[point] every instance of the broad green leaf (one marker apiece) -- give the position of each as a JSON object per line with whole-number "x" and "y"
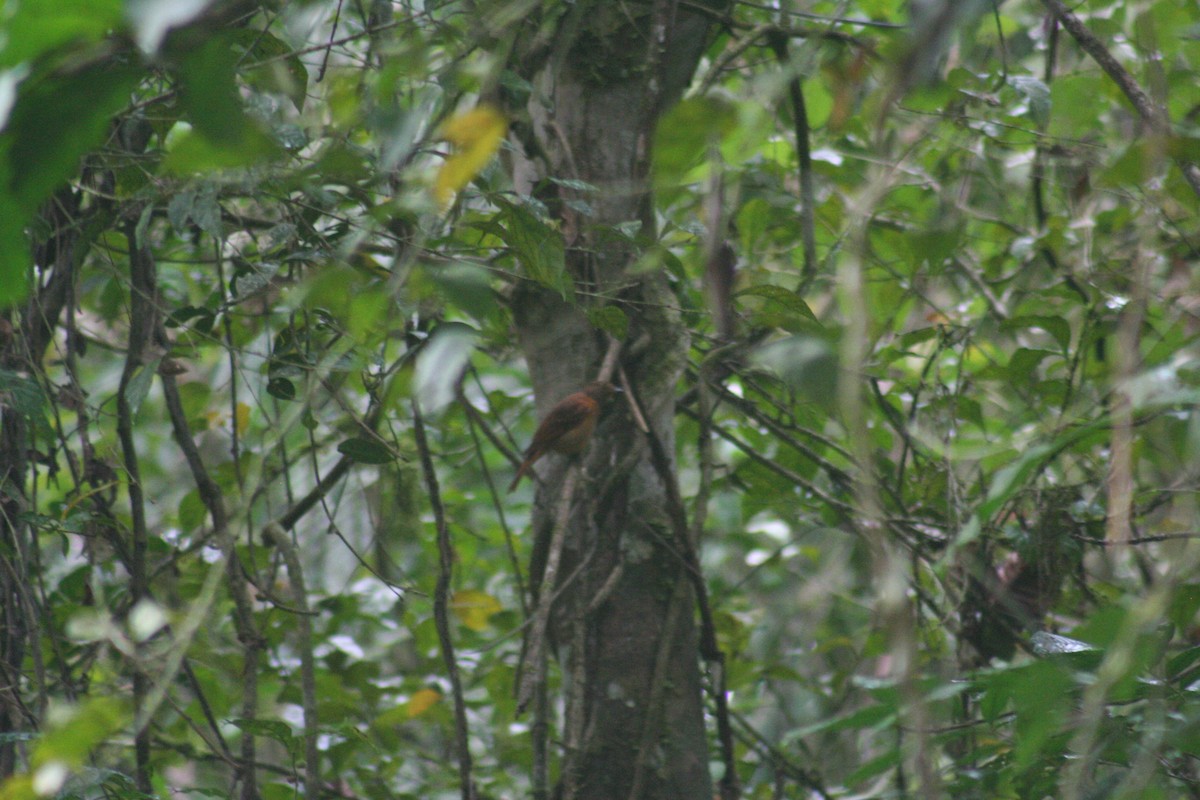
{"x": 79, "y": 731}
{"x": 277, "y": 67}
{"x": 15, "y": 261}
{"x": 1036, "y": 93}
{"x": 365, "y": 451}
{"x": 686, "y": 134}
{"x": 139, "y": 385}
{"x": 806, "y": 363}
{"x": 467, "y": 286}
{"x": 275, "y": 730}
{"x": 36, "y": 27}
{"x": 611, "y": 320}
{"x": 538, "y": 247}
{"x": 57, "y": 119}
{"x": 1057, "y": 327}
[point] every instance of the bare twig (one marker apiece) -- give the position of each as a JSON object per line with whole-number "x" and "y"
{"x": 635, "y": 410}
{"x": 779, "y": 44}
{"x": 143, "y": 310}
{"x": 248, "y": 635}
{"x": 308, "y": 680}
{"x": 441, "y": 603}
{"x": 1152, "y": 114}
{"x": 535, "y": 653}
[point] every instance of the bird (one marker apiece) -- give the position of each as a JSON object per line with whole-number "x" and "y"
{"x": 568, "y": 427}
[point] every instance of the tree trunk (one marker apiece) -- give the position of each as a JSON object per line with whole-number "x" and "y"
{"x": 623, "y": 624}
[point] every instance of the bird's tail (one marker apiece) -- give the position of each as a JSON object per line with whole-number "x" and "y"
{"x": 521, "y": 470}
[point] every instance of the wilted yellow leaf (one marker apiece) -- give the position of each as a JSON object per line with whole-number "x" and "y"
{"x": 474, "y": 608}
{"x": 476, "y": 135}
{"x": 421, "y": 701}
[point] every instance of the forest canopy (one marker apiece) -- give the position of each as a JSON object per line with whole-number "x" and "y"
{"x": 898, "y": 497}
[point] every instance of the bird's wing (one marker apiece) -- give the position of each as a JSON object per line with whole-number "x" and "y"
{"x": 563, "y": 418}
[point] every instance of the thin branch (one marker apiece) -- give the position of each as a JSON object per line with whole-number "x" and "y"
{"x": 777, "y": 758}
{"x": 441, "y": 603}
{"x": 308, "y": 679}
{"x": 330, "y": 479}
{"x": 143, "y": 308}
{"x": 864, "y": 23}
{"x": 844, "y": 508}
{"x": 536, "y": 651}
{"x": 474, "y": 424}
{"x": 1152, "y": 114}
{"x": 214, "y": 502}
{"x": 779, "y": 44}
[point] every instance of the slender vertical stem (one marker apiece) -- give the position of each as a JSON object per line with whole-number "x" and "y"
{"x": 143, "y": 307}
{"x": 441, "y": 604}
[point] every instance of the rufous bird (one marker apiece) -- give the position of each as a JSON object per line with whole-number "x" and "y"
{"x": 568, "y": 427}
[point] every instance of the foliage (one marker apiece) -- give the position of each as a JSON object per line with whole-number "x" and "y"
{"x": 947, "y": 470}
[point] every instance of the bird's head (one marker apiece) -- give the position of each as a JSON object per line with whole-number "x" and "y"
{"x": 600, "y": 391}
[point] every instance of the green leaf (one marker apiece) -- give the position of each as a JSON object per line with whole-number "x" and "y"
{"x": 281, "y": 388}
{"x": 792, "y": 301}
{"x": 611, "y": 320}
{"x": 871, "y": 717}
{"x": 139, "y": 385}
{"x": 35, "y": 27}
{"x": 1036, "y": 94}
{"x": 783, "y": 308}
{"x": 806, "y": 363}
{"x": 1057, "y": 327}
{"x": 366, "y": 451}
{"x": 222, "y": 134}
{"x": 467, "y": 286}
{"x": 21, "y": 394}
{"x": 80, "y": 730}
{"x": 192, "y": 511}
{"x": 538, "y": 248}
{"x": 209, "y": 91}
{"x": 1182, "y": 661}
{"x": 875, "y": 766}
{"x": 686, "y": 134}
{"x": 1022, "y": 367}
{"x": 280, "y": 68}
{"x": 55, "y": 121}
{"x": 16, "y": 263}
{"x": 275, "y": 730}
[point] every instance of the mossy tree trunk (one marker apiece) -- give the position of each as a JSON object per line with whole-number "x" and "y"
{"x": 623, "y": 626}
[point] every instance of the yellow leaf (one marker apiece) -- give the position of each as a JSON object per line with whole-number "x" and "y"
{"x": 476, "y": 135}
{"x": 243, "y": 418}
{"x": 422, "y": 701}
{"x": 474, "y": 608}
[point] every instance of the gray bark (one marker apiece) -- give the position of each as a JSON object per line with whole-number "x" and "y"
{"x": 624, "y": 625}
